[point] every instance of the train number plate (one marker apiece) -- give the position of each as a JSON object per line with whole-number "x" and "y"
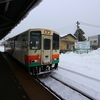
{"x": 47, "y": 60}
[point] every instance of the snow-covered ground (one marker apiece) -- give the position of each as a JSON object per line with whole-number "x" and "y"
{"x": 81, "y": 71}
{"x": 87, "y": 64}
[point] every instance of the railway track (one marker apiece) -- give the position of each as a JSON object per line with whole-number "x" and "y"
{"x": 92, "y": 83}
{"x": 81, "y": 82}
{"x": 48, "y": 88}
{"x": 80, "y": 74}
{"x": 76, "y": 90}
{"x": 80, "y": 94}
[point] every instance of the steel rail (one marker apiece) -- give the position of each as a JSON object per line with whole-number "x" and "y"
{"x": 46, "y": 87}
{"x": 73, "y": 88}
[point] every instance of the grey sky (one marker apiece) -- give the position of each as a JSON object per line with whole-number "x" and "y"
{"x": 61, "y": 16}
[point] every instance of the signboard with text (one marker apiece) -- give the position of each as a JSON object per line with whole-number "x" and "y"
{"x": 84, "y": 45}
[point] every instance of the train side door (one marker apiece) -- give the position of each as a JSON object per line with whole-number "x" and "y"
{"x": 46, "y": 49}
{"x": 24, "y": 49}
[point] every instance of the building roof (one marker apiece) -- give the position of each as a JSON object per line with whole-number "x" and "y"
{"x": 69, "y": 35}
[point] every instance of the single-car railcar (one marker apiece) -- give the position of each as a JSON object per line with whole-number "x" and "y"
{"x": 37, "y": 49}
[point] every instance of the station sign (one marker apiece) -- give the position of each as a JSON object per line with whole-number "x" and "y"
{"x": 84, "y": 45}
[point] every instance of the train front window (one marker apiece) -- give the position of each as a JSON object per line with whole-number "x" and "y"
{"x": 35, "y": 40}
{"x": 55, "y": 41}
{"x": 46, "y": 44}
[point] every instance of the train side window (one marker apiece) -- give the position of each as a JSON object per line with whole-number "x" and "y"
{"x": 24, "y": 43}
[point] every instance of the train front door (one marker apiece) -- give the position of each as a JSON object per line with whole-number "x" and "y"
{"x": 46, "y": 50}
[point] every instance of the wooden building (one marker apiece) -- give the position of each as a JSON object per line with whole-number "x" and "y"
{"x": 67, "y": 43}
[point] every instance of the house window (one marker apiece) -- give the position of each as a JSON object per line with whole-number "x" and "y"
{"x": 68, "y": 47}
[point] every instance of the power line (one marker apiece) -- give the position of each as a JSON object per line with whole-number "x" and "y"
{"x": 66, "y": 28}
{"x": 87, "y": 24}
{"x": 90, "y": 25}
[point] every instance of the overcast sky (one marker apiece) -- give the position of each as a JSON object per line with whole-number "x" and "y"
{"x": 61, "y": 16}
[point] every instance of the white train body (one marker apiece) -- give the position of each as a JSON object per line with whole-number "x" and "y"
{"x": 37, "y": 49}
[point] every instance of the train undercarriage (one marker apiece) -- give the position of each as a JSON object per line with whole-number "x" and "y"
{"x": 41, "y": 70}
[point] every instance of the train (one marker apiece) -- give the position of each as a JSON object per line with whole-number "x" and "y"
{"x": 38, "y": 49}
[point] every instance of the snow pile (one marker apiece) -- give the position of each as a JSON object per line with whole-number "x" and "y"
{"x": 88, "y": 64}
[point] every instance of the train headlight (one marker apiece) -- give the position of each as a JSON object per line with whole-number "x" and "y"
{"x": 32, "y": 61}
{"x": 47, "y": 32}
{"x": 55, "y": 58}
{"x": 35, "y": 60}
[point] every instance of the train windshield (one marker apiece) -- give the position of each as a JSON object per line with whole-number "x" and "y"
{"x": 35, "y": 40}
{"x": 46, "y": 44}
{"x": 55, "y": 41}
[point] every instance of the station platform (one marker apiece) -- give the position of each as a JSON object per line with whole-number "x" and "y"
{"x": 10, "y": 89}
{"x": 17, "y": 84}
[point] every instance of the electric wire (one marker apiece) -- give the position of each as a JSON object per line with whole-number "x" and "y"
{"x": 67, "y": 29}
{"x": 89, "y": 24}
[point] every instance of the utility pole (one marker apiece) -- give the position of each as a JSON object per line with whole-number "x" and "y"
{"x": 77, "y": 24}
{"x": 77, "y": 29}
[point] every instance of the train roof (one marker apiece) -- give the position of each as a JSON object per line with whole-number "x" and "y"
{"x": 32, "y": 29}
{"x": 43, "y": 29}
{"x": 39, "y": 29}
